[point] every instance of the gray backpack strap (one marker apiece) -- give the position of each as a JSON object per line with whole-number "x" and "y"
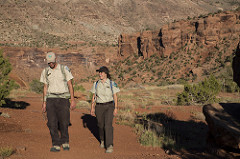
{"x": 112, "y": 89}
{"x": 46, "y": 74}
{"x": 63, "y": 72}
{"x": 96, "y": 91}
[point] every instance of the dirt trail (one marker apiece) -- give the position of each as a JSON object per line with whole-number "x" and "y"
{"x": 26, "y": 129}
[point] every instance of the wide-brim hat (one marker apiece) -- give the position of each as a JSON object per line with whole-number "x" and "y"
{"x": 51, "y": 57}
{"x": 103, "y": 69}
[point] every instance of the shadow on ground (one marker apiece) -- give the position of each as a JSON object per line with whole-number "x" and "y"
{"x": 233, "y": 109}
{"x": 90, "y": 122}
{"x": 15, "y": 104}
{"x": 189, "y": 136}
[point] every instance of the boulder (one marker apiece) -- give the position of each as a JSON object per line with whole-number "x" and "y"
{"x": 236, "y": 65}
{"x": 224, "y": 125}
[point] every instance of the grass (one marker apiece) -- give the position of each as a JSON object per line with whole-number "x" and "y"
{"x": 149, "y": 138}
{"x": 6, "y": 151}
{"x": 18, "y": 93}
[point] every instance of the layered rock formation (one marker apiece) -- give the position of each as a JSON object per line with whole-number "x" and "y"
{"x": 205, "y": 32}
{"x": 29, "y": 62}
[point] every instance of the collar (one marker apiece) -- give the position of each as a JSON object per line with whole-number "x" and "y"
{"x": 107, "y": 81}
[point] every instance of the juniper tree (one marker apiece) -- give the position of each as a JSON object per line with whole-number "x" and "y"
{"x": 6, "y": 84}
{"x": 200, "y": 94}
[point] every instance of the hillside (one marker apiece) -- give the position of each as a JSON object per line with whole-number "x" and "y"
{"x": 187, "y": 50}
{"x": 65, "y": 23}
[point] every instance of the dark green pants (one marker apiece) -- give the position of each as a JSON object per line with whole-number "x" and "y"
{"x": 58, "y": 115}
{"x": 104, "y": 114}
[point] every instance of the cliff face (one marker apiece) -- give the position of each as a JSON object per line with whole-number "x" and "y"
{"x": 186, "y": 50}
{"x": 206, "y": 32}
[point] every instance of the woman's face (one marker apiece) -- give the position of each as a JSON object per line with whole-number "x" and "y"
{"x": 102, "y": 75}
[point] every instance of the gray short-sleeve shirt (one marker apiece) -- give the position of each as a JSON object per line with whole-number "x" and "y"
{"x": 104, "y": 92}
{"x": 56, "y": 82}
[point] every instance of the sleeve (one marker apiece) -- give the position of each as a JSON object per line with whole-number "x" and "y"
{"x": 43, "y": 77}
{"x": 68, "y": 73}
{"x": 93, "y": 90}
{"x": 115, "y": 88}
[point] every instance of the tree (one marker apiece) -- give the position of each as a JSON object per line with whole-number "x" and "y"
{"x": 6, "y": 85}
{"x": 200, "y": 94}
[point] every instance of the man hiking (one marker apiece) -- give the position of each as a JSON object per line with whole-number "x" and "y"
{"x": 57, "y": 91}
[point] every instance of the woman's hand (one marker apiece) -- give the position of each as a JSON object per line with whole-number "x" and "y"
{"x": 115, "y": 111}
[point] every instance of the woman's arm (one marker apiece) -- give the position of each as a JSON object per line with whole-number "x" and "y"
{"x": 115, "y": 103}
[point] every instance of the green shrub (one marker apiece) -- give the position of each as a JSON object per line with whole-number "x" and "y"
{"x": 36, "y": 86}
{"x": 202, "y": 93}
{"x": 6, "y": 85}
{"x": 79, "y": 88}
{"x": 230, "y": 86}
{"x": 6, "y": 152}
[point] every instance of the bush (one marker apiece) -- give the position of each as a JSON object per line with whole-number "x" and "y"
{"x": 6, "y": 152}
{"x": 202, "y": 93}
{"x": 79, "y": 88}
{"x": 36, "y": 86}
{"x": 6, "y": 85}
{"x": 230, "y": 86}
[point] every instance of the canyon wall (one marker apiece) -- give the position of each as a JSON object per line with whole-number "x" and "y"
{"x": 204, "y": 32}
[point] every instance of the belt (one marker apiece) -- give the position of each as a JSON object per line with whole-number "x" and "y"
{"x": 105, "y": 103}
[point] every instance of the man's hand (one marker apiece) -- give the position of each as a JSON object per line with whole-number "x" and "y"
{"x": 44, "y": 107}
{"x": 92, "y": 112}
{"x": 73, "y": 104}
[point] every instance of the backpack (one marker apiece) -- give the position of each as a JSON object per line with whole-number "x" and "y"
{"x": 62, "y": 70}
{"x": 96, "y": 89}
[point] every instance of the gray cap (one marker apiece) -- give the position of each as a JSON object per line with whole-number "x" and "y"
{"x": 51, "y": 57}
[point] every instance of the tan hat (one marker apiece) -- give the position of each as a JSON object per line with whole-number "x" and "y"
{"x": 51, "y": 57}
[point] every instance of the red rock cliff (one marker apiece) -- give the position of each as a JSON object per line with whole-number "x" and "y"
{"x": 205, "y": 32}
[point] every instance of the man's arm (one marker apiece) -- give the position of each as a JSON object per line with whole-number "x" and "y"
{"x": 44, "y": 98}
{"x": 92, "y": 112}
{"x": 71, "y": 90}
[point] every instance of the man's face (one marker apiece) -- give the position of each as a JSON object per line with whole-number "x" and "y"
{"x": 52, "y": 65}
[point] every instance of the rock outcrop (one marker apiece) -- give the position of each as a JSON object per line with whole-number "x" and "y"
{"x": 236, "y": 66}
{"x": 224, "y": 125}
{"x": 205, "y": 32}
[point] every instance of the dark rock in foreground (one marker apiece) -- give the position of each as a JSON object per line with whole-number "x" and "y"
{"x": 224, "y": 125}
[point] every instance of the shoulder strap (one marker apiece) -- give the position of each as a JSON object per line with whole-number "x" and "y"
{"x": 63, "y": 72}
{"x": 46, "y": 74}
{"x": 111, "y": 86}
{"x": 112, "y": 89}
{"x": 96, "y": 86}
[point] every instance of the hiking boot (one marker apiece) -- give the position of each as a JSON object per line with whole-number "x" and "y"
{"x": 66, "y": 147}
{"x": 109, "y": 149}
{"x": 55, "y": 149}
{"x": 102, "y": 144}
